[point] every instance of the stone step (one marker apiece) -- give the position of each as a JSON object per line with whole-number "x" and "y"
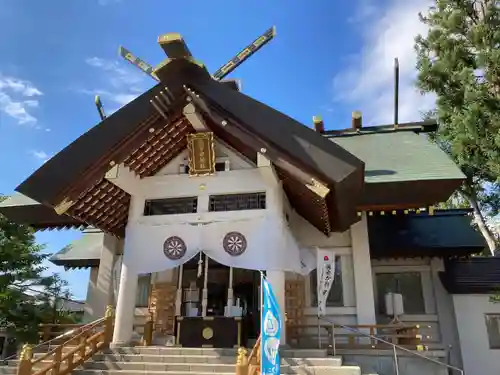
{"x": 197, "y": 361}
{"x": 174, "y": 350}
{"x": 125, "y": 362}
{"x": 192, "y": 367}
{"x": 202, "y": 370}
{"x": 299, "y": 370}
{"x": 163, "y": 350}
{"x": 213, "y": 359}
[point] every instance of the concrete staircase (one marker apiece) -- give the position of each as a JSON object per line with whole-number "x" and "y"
{"x": 188, "y": 361}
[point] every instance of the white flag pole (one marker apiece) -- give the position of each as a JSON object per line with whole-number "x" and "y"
{"x": 318, "y": 283}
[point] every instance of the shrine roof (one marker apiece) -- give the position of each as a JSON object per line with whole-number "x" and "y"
{"x": 145, "y": 140}
{"x": 444, "y": 233}
{"x": 476, "y": 275}
{"x": 81, "y": 253}
{"x": 400, "y": 156}
{"x": 24, "y": 210}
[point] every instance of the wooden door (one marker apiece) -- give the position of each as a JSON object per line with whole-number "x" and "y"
{"x": 162, "y": 307}
{"x": 294, "y": 308}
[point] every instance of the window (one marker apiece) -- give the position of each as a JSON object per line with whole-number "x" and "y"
{"x": 219, "y": 167}
{"x": 336, "y": 296}
{"x": 143, "y": 287}
{"x": 409, "y": 284}
{"x": 237, "y": 202}
{"x": 170, "y": 206}
{"x": 493, "y": 329}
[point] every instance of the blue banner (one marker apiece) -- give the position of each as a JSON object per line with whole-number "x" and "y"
{"x": 270, "y": 331}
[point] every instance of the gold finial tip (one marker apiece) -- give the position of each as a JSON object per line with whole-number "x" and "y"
{"x": 26, "y": 352}
{"x": 242, "y": 354}
{"x": 317, "y": 119}
{"x": 356, "y": 114}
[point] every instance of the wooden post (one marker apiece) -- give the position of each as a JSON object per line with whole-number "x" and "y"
{"x": 242, "y": 362}
{"x": 147, "y": 337}
{"x": 83, "y": 346}
{"x": 178, "y": 296}
{"x": 46, "y": 332}
{"x": 24, "y": 366}
{"x": 108, "y": 325}
{"x": 204, "y": 300}
{"x": 230, "y": 297}
{"x": 56, "y": 360}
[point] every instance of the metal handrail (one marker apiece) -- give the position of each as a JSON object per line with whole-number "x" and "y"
{"x": 13, "y": 356}
{"x": 394, "y": 346}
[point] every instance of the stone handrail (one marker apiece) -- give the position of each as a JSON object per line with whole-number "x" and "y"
{"x": 64, "y": 358}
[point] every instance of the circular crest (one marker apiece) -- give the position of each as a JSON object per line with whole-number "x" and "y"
{"x": 234, "y": 243}
{"x": 207, "y": 333}
{"x": 174, "y": 248}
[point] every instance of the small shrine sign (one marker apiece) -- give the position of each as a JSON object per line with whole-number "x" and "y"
{"x": 201, "y": 153}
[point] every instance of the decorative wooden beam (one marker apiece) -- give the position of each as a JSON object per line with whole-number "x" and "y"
{"x": 174, "y": 45}
{"x": 267, "y": 170}
{"x": 63, "y": 206}
{"x": 315, "y": 185}
{"x": 124, "y": 178}
{"x": 194, "y": 117}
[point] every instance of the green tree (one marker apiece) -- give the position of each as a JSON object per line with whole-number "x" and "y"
{"x": 458, "y": 62}
{"x": 27, "y": 296}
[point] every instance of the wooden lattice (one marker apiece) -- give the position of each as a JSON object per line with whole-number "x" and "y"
{"x": 294, "y": 307}
{"x": 162, "y": 307}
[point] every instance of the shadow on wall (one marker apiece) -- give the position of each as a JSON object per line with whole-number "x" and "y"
{"x": 378, "y": 172}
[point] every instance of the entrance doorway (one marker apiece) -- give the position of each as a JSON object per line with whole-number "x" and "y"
{"x": 246, "y": 295}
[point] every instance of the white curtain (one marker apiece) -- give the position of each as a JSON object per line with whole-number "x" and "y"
{"x": 269, "y": 245}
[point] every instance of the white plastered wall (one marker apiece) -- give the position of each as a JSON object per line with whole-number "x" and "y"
{"x": 100, "y": 287}
{"x": 240, "y": 177}
{"x": 352, "y": 247}
{"x": 470, "y": 310}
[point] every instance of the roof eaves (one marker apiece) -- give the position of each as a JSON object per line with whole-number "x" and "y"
{"x": 417, "y": 127}
{"x": 91, "y": 153}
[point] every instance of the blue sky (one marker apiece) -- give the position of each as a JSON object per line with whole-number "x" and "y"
{"x": 328, "y": 58}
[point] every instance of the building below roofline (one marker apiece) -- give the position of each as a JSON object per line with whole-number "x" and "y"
{"x": 194, "y": 188}
{"x": 451, "y": 297}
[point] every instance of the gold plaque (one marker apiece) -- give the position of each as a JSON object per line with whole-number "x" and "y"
{"x": 207, "y": 333}
{"x": 201, "y": 154}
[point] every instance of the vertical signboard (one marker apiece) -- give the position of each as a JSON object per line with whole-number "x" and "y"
{"x": 201, "y": 154}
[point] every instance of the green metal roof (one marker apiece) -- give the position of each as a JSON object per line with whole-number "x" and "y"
{"x": 400, "y": 156}
{"x": 83, "y": 252}
{"x": 24, "y": 210}
{"x": 18, "y": 199}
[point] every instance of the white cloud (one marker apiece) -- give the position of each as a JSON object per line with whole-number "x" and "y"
{"x": 123, "y": 83}
{"x": 13, "y": 102}
{"x": 40, "y": 155}
{"x": 367, "y": 84}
